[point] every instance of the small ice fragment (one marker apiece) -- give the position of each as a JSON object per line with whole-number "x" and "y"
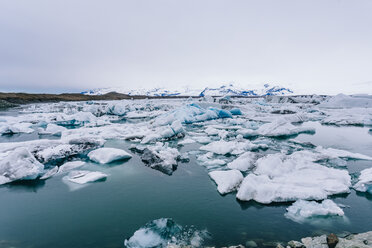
{"x": 107, "y": 155}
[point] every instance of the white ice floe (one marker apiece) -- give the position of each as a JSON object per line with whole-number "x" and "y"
{"x": 364, "y": 183}
{"x": 186, "y": 141}
{"x": 53, "y": 129}
{"x": 280, "y": 178}
{"x": 227, "y": 181}
{"x": 336, "y": 153}
{"x": 282, "y": 127}
{"x": 301, "y": 210}
{"x": 236, "y": 147}
{"x": 83, "y": 176}
{"x": 107, "y": 155}
{"x": 49, "y": 173}
{"x": 244, "y": 162}
{"x": 19, "y": 164}
{"x": 13, "y": 128}
{"x": 70, "y": 166}
{"x": 219, "y": 147}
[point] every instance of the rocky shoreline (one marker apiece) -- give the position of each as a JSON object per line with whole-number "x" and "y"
{"x": 361, "y": 240}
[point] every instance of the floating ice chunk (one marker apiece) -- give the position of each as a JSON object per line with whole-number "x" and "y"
{"x": 227, "y": 181}
{"x": 336, "y": 153}
{"x": 70, "y": 166}
{"x": 53, "y": 129}
{"x": 161, "y": 157}
{"x": 244, "y": 162}
{"x": 186, "y": 141}
{"x": 152, "y": 138}
{"x": 219, "y": 147}
{"x": 302, "y": 210}
{"x": 202, "y": 139}
{"x": 364, "y": 183}
{"x": 282, "y": 128}
{"x": 50, "y": 173}
{"x": 164, "y": 233}
{"x": 13, "y": 128}
{"x": 280, "y": 178}
{"x": 107, "y": 155}
{"x": 61, "y": 152}
{"x": 83, "y": 177}
{"x": 235, "y": 111}
{"x": 19, "y": 164}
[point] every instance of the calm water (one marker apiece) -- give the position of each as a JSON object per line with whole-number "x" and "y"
{"x": 52, "y": 214}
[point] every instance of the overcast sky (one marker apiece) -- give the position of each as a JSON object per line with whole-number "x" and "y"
{"x": 322, "y": 46}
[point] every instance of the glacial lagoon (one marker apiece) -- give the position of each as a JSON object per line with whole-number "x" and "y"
{"x": 58, "y": 213}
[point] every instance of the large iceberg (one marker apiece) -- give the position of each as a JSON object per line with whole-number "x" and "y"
{"x": 19, "y": 164}
{"x": 280, "y": 178}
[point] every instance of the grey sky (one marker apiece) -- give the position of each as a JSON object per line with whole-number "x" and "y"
{"x": 322, "y": 46}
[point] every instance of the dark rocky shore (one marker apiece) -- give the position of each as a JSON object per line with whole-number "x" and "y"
{"x": 8, "y": 100}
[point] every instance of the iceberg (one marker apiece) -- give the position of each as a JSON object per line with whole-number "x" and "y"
{"x": 364, "y": 183}
{"x": 19, "y": 164}
{"x": 70, "y": 166}
{"x": 244, "y": 162}
{"x": 302, "y": 210}
{"x": 83, "y": 176}
{"x": 161, "y": 157}
{"x": 164, "y": 232}
{"x": 281, "y": 178}
{"x": 227, "y": 181}
{"x": 107, "y": 155}
{"x": 53, "y": 129}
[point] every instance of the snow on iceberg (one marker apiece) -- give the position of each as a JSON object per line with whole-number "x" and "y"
{"x": 107, "y": 155}
{"x": 53, "y": 129}
{"x": 227, "y": 181}
{"x": 164, "y": 233}
{"x": 281, "y": 178}
{"x": 281, "y": 127}
{"x": 302, "y": 210}
{"x": 364, "y": 183}
{"x": 244, "y": 162}
{"x": 19, "y": 164}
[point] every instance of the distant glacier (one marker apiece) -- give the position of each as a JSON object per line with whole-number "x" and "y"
{"x": 223, "y": 90}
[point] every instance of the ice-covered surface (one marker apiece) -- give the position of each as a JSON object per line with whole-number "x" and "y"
{"x": 302, "y": 210}
{"x": 163, "y": 233}
{"x": 279, "y": 178}
{"x": 19, "y": 164}
{"x": 107, "y": 155}
{"x": 83, "y": 176}
{"x": 227, "y": 181}
{"x": 364, "y": 183}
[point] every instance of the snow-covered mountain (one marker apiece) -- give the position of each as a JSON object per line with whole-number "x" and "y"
{"x": 223, "y": 90}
